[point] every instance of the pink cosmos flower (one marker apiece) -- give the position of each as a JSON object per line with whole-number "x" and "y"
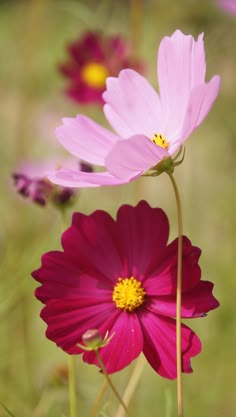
{"x": 120, "y": 276}
{"x": 30, "y": 180}
{"x": 150, "y": 127}
{"x": 94, "y": 57}
{"x": 229, "y": 6}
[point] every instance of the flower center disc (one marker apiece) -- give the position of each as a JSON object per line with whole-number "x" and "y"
{"x": 128, "y": 294}
{"x": 160, "y": 140}
{"x": 94, "y": 74}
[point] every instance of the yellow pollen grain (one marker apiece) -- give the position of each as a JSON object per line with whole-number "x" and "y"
{"x": 128, "y": 294}
{"x": 94, "y": 74}
{"x": 160, "y": 140}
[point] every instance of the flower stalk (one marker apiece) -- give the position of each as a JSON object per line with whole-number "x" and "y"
{"x": 113, "y": 388}
{"x": 72, "y": 385}
{"x": 178, "y": 298}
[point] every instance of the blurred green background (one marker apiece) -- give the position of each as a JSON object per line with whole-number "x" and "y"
{"x": 33, "y": 35}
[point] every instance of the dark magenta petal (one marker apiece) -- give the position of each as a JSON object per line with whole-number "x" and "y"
{"x": 143, "y": 235}
{"x": 162, "y": 275}
{"x": 159, "y": 335}
{"x": 195, "y": 303}
{"x": 88, "y": 242}
{"x": 64, "y": 280}
{"x": 68, "y": 320}
{"x": 125, "y": 345}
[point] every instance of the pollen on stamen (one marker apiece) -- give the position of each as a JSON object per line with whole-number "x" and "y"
{"x": 160, "y": 140}
{"x": 128, "y": 294}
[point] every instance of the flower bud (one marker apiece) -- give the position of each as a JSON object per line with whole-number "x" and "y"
{"x": 92, "y": 339}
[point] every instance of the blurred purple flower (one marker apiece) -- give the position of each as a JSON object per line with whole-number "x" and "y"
{"x": 92, "y": 58}
{"x": 229, "y": 6}
{"x": 31, "y": 182}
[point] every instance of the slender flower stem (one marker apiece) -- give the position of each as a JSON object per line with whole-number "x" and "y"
{"x": 34, "y": 19}
{"x": 102, "y": 366}
{"x": 178, "y": 299}
{"x": 136, "y": 24}
{"x": 132, "y": 384}
{"x": 98, "y": 399}
{"x": 72, "y": 384}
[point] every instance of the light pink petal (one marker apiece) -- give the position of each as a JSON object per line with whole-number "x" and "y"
{"x": 132, "y": 157}
{"x": 161, "y": 277}
{"x": 79, "y": 179}
{"x": 124, "y": 347}
{"x": 159, "y": 346}
{"x": 86, "y": 139}
{"x": 200, "y": 103}
{"x": 132, "y": 105}
{"x": 92, "y": 243}
{"x": 62, "y": 277}
{"x": 143, "y": 233}
{"x": 181, "y": 67}
{"x": 68, "y": 320}
{"x": 195, "y": 303}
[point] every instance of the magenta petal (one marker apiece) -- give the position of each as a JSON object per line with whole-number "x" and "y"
{"x": 159, "y": 344}
{"x": 68, "y": 320}
{"x": 86, "y": 139}
{"x": 61, "y": 278}
{"x": 79, "y": 179}
{"x": 92, "y": 244}
{"x": 143, "y": 234}
{"x": 132, "y": 157}
{"x": 162, "y": 277}
{"x": 200, "y": 103}
{"x": 124, "y": 347}
{"x": 133, "y": 106}
{"x": 195, "y": 303}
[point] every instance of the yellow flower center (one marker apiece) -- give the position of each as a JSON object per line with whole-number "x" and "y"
{"x": 160, "y": 140}
{"x": 94, "y": 74}
{"x": 128, "y": 294}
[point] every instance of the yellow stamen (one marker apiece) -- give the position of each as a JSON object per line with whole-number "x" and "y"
{"x": 94, "y": 74}
{"x": 128, "y": 294}
{"x": 160, "y": 140}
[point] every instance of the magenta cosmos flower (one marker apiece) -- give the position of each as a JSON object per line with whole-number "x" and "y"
{"x": 150, "y": 127}
{"x": 229, "y": 6}
{"x": 94, "y": 57}
{"x": 120, "y": 276}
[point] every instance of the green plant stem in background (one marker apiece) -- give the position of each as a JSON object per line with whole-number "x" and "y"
{"x": 31, "y": 33}
{"x": 102, "y": 366}
{"x": 132, "y": 384}
{"x": 136, "y": 24}
{"x": 98, "y": 400}
{"x": 178, "y": 298}
{"x": 72, "y": 384}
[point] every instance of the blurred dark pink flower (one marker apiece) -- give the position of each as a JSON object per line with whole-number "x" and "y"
{"x": 120, "y": 276}
{"x": 31, "y": 182}
{"x": 92, "y": 58}
{"x": 229, "y": 6}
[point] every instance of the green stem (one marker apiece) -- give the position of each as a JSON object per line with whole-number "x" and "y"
{"x": 132, "y": 384}
{"x": 102, "y": 366}
{"x": 72, "y": 385}
{"x": 178, "y": 299}
{"x": 136, "y": 24}
{"x": 98, "y": 399}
